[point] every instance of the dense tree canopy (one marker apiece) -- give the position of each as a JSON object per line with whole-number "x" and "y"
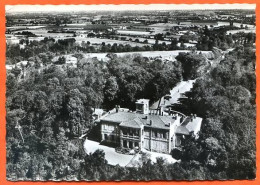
{"x": 49, "y": 106}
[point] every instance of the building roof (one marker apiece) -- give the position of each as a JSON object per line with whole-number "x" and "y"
{"x": 97, "y": 111}
{"x": 182, "y": 130}
{"x": 189, "y": 125}
{"x": 135, "y": 120}
{"x": 142, "y": 101}
{"x": 194, "y": 125}
{"x": 135, "y": 123}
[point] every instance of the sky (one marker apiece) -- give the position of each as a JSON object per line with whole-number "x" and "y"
{"x": 129, "y": 7}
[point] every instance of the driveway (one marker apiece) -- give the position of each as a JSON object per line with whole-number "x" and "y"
{"x": 111, "y": 155}
{"x": 175, "y": 93}
{"x": 115, "y": 158}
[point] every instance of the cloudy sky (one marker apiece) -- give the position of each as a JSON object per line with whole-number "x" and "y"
{"x": 61, "y": 8}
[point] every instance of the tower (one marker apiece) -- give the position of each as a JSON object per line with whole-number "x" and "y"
{"x": 142, "y": 106}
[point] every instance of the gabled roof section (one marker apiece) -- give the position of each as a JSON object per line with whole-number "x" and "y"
{"x": 119, "y": 117}
{"x": 135, "y": 123}
{"x": 131, "y": 119}
{"x": 189, "y": 125}
{"x": 182, "y": 130}
{"x": 142, "y": 101}
{"x": 194, "y": 125}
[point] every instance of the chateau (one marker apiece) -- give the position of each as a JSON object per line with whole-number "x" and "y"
{"x": 147, "y": 129}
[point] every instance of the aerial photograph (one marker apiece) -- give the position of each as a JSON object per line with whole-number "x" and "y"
{"x": 130, "y": 92}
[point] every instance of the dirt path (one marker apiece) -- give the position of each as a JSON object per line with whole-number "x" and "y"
{"x": 185, "y": 86}
{"x": 111, "y": 155}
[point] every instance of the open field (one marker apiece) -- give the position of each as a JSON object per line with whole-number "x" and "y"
{"x": 129, "y": 32}
{"x": 107, "y": 41}
{"x": 161, "y": 27}
{"x": 170, "y": 55}
{"x": 44, "y": 33}
{"x": 24, "y": 27}
{"x": 41, "y": 33}
{"x": 241, "y": 30}
{"x": 220, "y": 23}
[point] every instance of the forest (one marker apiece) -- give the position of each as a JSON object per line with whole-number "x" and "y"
{"x": 49, "y": 109}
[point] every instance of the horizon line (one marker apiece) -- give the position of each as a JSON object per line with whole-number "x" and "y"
{"x": 125, "y": 7}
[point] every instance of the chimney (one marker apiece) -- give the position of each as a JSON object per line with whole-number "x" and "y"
{"x": 181, "y": 119}
{"x": 161, "y": 111}
{"x": 117, "y": 108}
{"x": 167, "y": 124}
{"x": 145, "y": 117}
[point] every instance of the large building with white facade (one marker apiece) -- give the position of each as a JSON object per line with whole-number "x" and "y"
{"x": 146, "y": 129}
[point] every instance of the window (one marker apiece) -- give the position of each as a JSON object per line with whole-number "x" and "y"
{"x": 164, "y": 135}
{"x": 130, "y": 144}
{"x": 106, "y": 137}
{"x": 178, "y": 141}
{"x": 125, "y": 144}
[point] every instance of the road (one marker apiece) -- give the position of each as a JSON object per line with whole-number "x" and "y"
{"x": 185, "y": 86}
{"x": 175, "y": 94}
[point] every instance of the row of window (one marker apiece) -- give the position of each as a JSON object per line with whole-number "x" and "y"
{"x": 135, "y": 132}
{"x": 130, "y": 144}
{"x": 131, "y": 132}
{"x": 110, "y": 137}
{"x": 156, "y": 134}
{"x": 108, "y": 127}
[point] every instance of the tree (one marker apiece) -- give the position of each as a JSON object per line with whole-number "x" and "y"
{"x": 110, "y": 90}
{"x": 61, "y": 60}
{"x": 191, "y": 63}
